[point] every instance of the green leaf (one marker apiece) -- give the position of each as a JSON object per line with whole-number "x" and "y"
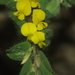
{"x": 72, "y": 1}
{"x": 48, "y": 33}
{"x": 43, "y": 71}
{"x": 48, "y": 16}
{"x": 43, "y": 3}
{"x": 56, "y": 11}
{"x": 11, "y": 4}
{"x": 18, "y": 51}
{"x": 30, "y": 73}
{"x": 11, "y": 15}
{"x": 26, "y": 68}
{"x": 53, "y": 7}
{"x": 45, "y": 63}
{"x": 47, "y": 43}
{"x": 20, "y": 23}
{"x": 15, "y": 19}
{"x": 65, "y": 3}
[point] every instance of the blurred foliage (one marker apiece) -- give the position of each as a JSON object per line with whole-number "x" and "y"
{"x": 9, "y": 3}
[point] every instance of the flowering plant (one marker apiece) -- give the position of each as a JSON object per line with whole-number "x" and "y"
{"x": 32, "y": 19}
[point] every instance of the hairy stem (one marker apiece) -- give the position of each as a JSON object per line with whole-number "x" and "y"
{"x": 35, "y": 53}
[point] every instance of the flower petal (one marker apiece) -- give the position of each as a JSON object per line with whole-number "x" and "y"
{"x": 38, "y": 37}
{"x": 38, "y": 16}
{"x": 35, "y": 39}
{"x": 21, "y": 4}
{"x": 28, "y": 29}
{"x": 16, "y": 13}
{"x": 39, "y": 6}
{"x": 41, "y": 44}
{"x": 24, "y": 7}
{"x": 34, "y": 3}
{"x": 21, "y": 17}
{"x": 27, "y": 8}
{"x": 42, "y": 25}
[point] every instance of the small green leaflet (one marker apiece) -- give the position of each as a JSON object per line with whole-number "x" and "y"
{"x": 30, "y": 73}
{"x": 11, "y": 4}
{"x": 66, "y": 3}
{"x": 45, "y": 64}
{"x": 72, "y": 1}
{"x": 43, "y": 71}
{"x": 47, "y": 43}
{"x": 26, "y": 68}
{"x": 18, "y": 51}
{"x": 43, "y": 3}
{"x": 53, "y": 7}
{"x": 48, "y": 33}
{"x": 17, "y": 21}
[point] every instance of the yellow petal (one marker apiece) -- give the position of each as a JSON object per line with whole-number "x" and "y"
{"x": 39, "y": 26}
{"x": 29, "y": 37}
{"x": 35, "y": 39}
{"x": 41, "y": 44}
{"x": 42, "y": 25}
{"x": 28, "y": 29}
{"x": 39, "y": 6}
{"x": 38, "y": 37}
{"x": 34, "y": 3}
{"x": 24, "y": 7}
{"x": 27, "y": 9}
{"x": 21, "y": 4}
{"x": 16, "y": 13}
{"x": 21, "y": 17}
{"x": 38, "y": 16}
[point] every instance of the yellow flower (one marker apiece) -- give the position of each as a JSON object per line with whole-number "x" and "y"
{"x": 38, "y": 38}
{"x": 28, "y": 29}
{"x": 41, "y": 44}
{"x": 41, "y": 25}
{"x": 24, "y": 8}
{"x": 35, "y": 3}
{"x": 20, "y": 15}
{"x": 38, "y": 16}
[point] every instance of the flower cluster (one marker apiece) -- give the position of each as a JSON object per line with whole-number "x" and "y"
{"x": 32, "y": 30}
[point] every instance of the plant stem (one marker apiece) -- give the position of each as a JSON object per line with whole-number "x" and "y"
{"x": 34, "y": 52}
